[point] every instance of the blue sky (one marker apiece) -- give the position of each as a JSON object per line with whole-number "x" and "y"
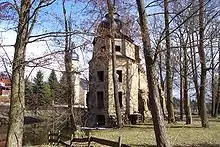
{"x": 51, "y": 19}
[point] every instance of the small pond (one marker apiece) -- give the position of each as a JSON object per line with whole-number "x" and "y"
{"x": 34, "y": 133}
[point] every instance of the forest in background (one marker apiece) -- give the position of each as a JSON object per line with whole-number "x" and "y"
{"x": 179, "y": 40}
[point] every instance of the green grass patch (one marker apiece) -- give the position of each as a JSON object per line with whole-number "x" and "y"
{"x": 180, "y": 135}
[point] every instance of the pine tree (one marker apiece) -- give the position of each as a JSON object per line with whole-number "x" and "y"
{"x": 39, "y": 89}
{"x": 28, "y": 93}
{"x": 53, "y": 84}
{"x": 61, "y": 91}
{"x": 47, "y": 100}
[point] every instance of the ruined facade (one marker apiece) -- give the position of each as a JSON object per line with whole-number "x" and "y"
{"x": 132, "y": 83}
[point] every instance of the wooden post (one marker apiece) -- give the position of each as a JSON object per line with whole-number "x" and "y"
{"x": 119, "y": 141}
{"x": 71, "y": 141}
{"x": 89, "y": 138}
{"x": 49, "y": 138}
{"x": 58, "y": 138}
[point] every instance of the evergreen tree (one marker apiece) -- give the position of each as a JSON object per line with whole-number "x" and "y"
{"x": 62, "y": 91}
{"x": 47, "y": 95}
{"x": 28, "y": 93}
{"x": 53, "y": 84}
{"x": 39, "y": 89}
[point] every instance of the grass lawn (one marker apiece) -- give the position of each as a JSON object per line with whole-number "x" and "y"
{"x": 180, "y": 135}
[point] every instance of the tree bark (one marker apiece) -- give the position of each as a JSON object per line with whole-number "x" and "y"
{"x": 114, "y": 76}
{"x": 213, "y": 78}
{"x": 187, "y": 107}
{"x": 17, "y": 106}
{"x": 160, "y": 68}
{"x": 218, "y": 93}
{"x": 68, "y": 68}
{"x": 204, "y": 119}
{"x": 170, "y": 103}
{"x": 194, "y": 71}
{"x": 161, "y": 87}
{"x": 154, "y": 98}
{"x": 162, "y": 100}
{"x": 181, "y": 86}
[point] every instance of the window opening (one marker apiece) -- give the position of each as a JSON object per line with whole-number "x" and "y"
{"x": 100, "y": 120}
{"x": 120, "y": 99}
{"x": 117, "y": 48}
{"x": 100, "y": 76}
{"x": 119, "y": 72}
{"x": 103, "y": 48}
{"x": 100, "y": 100}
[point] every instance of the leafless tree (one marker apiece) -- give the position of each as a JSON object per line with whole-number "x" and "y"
{"x": 203, "y": 113}
{"x": 25, "y": 26}
{"x": 169, "y": 83}
{"x": 111, "y": 7}
{"x": 154, "y": 99}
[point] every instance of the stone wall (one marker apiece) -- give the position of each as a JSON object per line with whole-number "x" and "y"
{"x": 143, "y": 86}
{"x": 127, "y": 61}
{"x": 128, "y": 86}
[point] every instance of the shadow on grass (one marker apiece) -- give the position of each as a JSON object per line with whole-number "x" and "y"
{"x": 193, "y": 145}
{"x": 144, "y": 124}
{"x": 199, "y": 145}
{"x": 181, "y": 126}
{"x": 150, "y": 126}
{"x": 214, "y": 120}
{"x": 140, "y": 126}
{"x": 142, "y": 145}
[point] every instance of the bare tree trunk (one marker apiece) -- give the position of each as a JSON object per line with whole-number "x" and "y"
{"x": 114, "y": 76}
{"x": 213, "y": 78}
{"x": 170, "y": 103}
{"x": 17, "y": 106}
{"x": 218, "y": 102}
{"x": 204, "y": 119}
{"x": 162, "y": 100}
{"x": 218, "y": 93}
{"x": 161, "y": 87}
{"x": 154, "y": 98}
{"x": 181, "y": 86}
{"x": 161, "y": 73}
{"x": 187, "y": 107}
{"x": 68, "y": 67}
{"x": 194, "y": 70}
